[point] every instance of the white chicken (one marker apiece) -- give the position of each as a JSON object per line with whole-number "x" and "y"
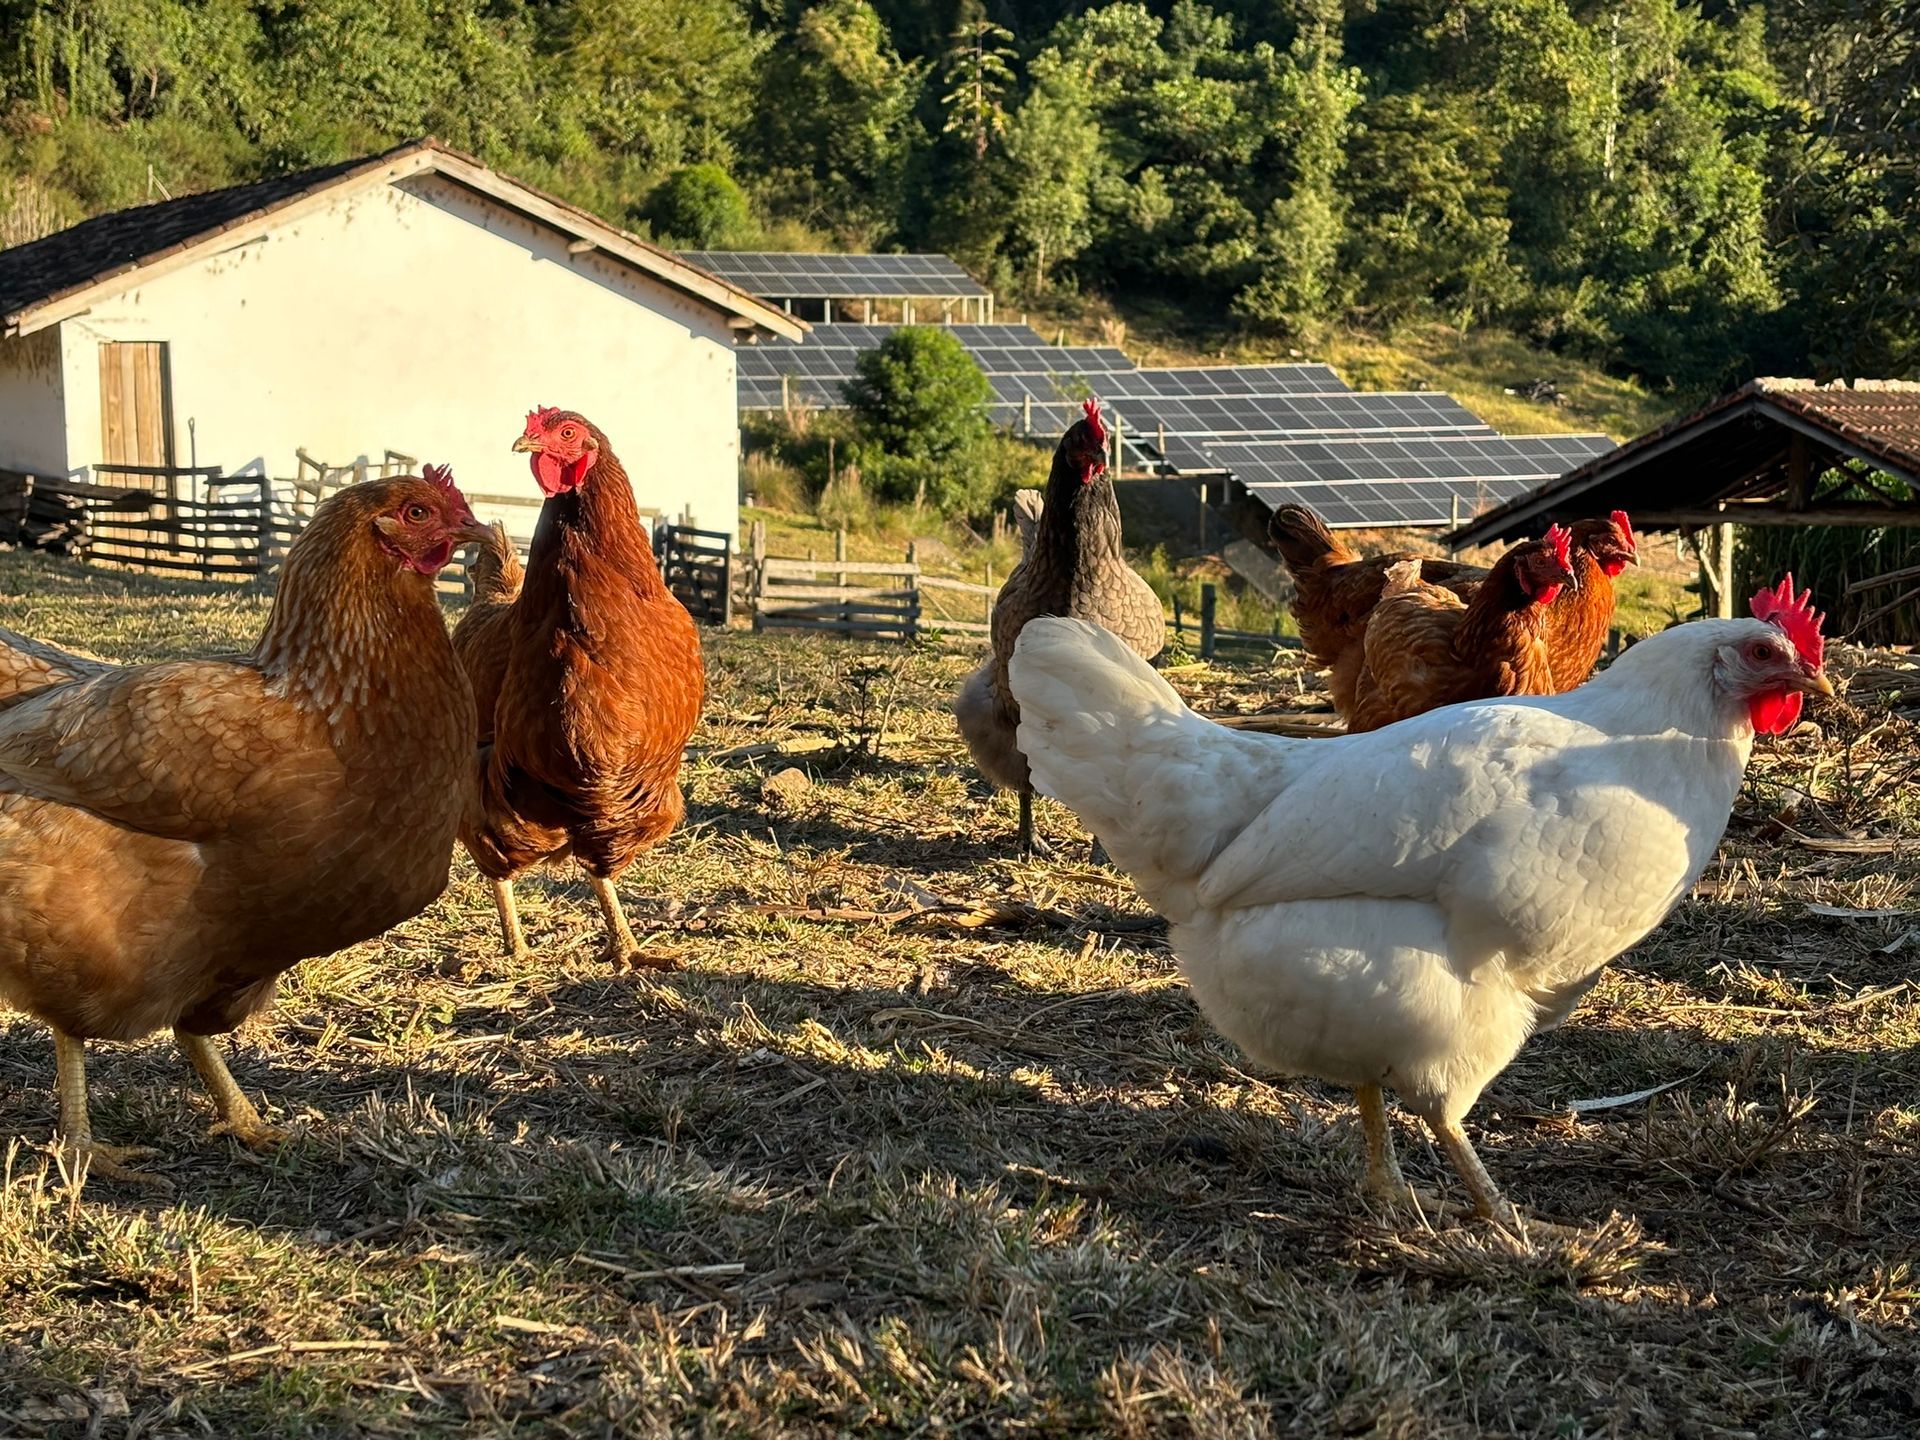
{"x": 1403, "y": 908}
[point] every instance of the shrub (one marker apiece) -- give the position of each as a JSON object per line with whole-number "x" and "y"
{"x": 920, "y": 401}
{"x": 701, "y": 207}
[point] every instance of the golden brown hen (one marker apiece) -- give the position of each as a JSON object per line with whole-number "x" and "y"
{"x": 1425, "y": 647}
{"x": 1336, "y": 589}
{"x": 588, "y": 680}
{"x": 175, "y": 836}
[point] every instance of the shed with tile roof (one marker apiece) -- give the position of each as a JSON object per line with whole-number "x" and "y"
{"x": 1752, "y": 457}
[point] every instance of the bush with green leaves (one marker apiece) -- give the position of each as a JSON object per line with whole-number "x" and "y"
{"x": 920, "y": 401}
{"x": 700, "y": 207}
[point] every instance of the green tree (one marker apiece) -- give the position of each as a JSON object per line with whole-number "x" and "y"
{"x": 1052, "y": 157}
{"x": 701, "y": 208}
{"x": 1299, "y": 279}
{"x": 838, "y": 140}
{"x": 920, "y": 401}
{"x": 667, "y": 81}
{"x": 978, "y": 74}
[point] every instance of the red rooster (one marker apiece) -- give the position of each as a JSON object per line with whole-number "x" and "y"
{"x": 588, "y": 678}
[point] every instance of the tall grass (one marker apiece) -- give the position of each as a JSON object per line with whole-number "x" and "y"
{"x": 1829, "y": 559}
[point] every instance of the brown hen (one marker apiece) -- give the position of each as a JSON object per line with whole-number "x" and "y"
{"x": 587, "y": 680}
{"x": 173, "y": 837}
{"x": 1073, "y": 566}
{"x": 1425, "y": 647}
{"x": 1336, "y": 589}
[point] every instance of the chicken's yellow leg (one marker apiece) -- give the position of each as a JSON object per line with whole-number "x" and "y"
{"x": 1488, "y": 1202}
{"x": 622, "y": 948}
{"x": 82, "y": 1153}
{"x": 238, "y": 1118}
{"x": 1385, "y": 1182}
{"x": 511, "y": 935}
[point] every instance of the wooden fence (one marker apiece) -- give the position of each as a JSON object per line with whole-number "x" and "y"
{"x": 1216, "y": 643}
{"x": 862, "y": 599}
{"x": 697, "y": 566}
{"x": 190, "y": 522}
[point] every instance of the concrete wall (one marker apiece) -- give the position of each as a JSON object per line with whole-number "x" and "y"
{"x": 33, "y": 434}
{"x": 425, "y": 318}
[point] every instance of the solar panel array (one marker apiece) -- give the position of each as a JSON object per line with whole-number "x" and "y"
{"x": 1287, "y": 432}
{"x": 780, "y": 276}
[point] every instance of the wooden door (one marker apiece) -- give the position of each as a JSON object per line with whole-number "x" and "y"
{"x": 136, "y": 423}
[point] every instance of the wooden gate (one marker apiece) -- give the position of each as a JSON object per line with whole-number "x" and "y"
{"x": 698, "y": 568}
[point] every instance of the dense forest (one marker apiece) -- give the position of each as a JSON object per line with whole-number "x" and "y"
{"x": 1688, "y": 191}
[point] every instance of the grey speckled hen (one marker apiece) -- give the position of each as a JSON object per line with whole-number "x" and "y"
{"x": 1071, "y": 565}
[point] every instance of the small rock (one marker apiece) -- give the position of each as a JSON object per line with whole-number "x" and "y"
{"x": 785, "y": 789}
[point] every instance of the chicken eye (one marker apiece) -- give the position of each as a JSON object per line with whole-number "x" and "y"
{"x": 417, "y": 514}
{"x": 567, "y": 432}
{"x": 1760, "y": 650}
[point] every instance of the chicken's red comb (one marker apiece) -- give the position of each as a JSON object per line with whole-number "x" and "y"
{"x": 441, "y": 476}
{"x": 1092, "y": 407}
{"x": 539, "y": 417}
{"x": 1795, "y": 615}
{"x": 1625, "y": 527}
{"x": 1560, "y": 538}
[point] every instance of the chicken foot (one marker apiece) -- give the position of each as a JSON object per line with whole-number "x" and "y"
{"x": 238, "y": 1118}
{"x": 83, "y": 1154}
{"x": 621, "y": 948}
{"x": 511, "y": 935}
{"x": 1488, "y": 1202}
{"x": 1032, "y": 845}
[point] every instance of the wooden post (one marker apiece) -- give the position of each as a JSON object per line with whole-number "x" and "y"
{"x": 1723, "y": 543}
{"x": 866, "y": 312}
{"x": 786, "y": 396}
{"x": 1026, "y": 414}
{"x": 1119, "y": 449}
{"x": 826, "y": 312}
{"x": 840, "y": 553}
{"x": 1200, "y": 508}
{"x": 1208, "y": 599}
{"x": 991, "y": 597}
{"x": 1178, "y": 631}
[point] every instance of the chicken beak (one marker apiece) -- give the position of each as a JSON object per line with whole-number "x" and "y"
{"x": 1815, "y": 682}
{"x": 527, "y": 445}
{"x": 473, "y": 532}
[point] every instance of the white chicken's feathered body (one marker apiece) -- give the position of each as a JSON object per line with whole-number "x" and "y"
{"x": 1402, "y": 907}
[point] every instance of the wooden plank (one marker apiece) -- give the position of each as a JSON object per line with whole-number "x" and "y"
{"x": 855, "y": 629}
{"x": 770, "y": 596}
{"x": 147, "y": 405}
{"x": 112, "y": 426}
{"x": 784, "y": 566}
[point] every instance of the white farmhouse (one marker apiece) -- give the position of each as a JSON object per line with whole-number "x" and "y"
{"x": 416, "y": 302}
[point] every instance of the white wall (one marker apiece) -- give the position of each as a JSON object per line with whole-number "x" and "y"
{"x": 424, "y": 318}
{"x": 33, "y": 433}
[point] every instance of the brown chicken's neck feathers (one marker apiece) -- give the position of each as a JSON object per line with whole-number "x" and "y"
{"x": 1501, "y": 609}
{"x": 598, "y": 518}
{"x": 351, "y": 628}
{"x": 1078, "y": 536}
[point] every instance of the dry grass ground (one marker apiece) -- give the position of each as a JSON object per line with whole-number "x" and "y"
{"x": 861, "y": 1164}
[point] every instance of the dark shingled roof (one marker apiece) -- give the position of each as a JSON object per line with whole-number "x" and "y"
{"x": 1737, "y": 452}
{"x": 94, "y": 249}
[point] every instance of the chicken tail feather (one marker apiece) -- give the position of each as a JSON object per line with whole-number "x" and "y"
{"x": 496, "y": 571}
{"x": 1303, "y": 540}
{"x": 1164, "y": 790}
